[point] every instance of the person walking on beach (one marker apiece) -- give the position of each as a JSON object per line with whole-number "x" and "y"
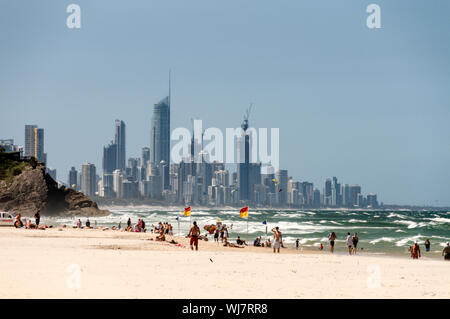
{"x": 332, "y": 238}
{"x": 297, "y": 243}
{"x": 427, "y": 245}
{"x": 277, "y": 237}
{"x": 355, "y": 240}
{"x": 37, "y": 217}
{"x": 216, "y": 235}
{"x": 194, "y": 232}
{"x": 349, "y": 242}
{"x": 446, "y": 252}
{"x": 415, "y": 251}
{"x": 225, "y": 233}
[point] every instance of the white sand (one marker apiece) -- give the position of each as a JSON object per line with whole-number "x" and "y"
{"x": 45, "y": 264}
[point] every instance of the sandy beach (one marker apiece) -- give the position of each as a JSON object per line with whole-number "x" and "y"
{"x": 76, "y": 263}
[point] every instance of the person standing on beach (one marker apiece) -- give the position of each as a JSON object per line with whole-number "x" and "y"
{"x": 427, "y": 245}
{"x": 415, "y": 251}
{"x": 349, "y": 242}
{"x": 332, "y": 238}
{"x": 194, "y": 232}
{"x": 355, "y": 240}
{"x": 297, "y": 242}
{"x": 37, "y": 217}
{"x": 216, "y": 235}
{"x": 129, "y": 222}
{"x": 277, "y": 237}
{"x": 446, "y": 252}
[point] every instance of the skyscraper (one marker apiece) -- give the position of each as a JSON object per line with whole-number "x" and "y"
{"x": 73, "y": 178}
{"x": 160, "y": 138}
{"x": 282, "y": 177}
{"x": 34, "y": 143}
{"x": 160, "y": 132}
{"x": 89, "y": 179}
{"x": 110, "y": 158}
{"x": 145, "y": 156}
{"x": 243, "y": 166}
{"x": 120, "y": 142}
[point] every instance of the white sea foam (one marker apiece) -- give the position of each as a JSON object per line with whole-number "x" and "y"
{"x": 357, "y": 221}
{"x": 391, "y": 215}
{"x": 408, "y": 240}
{"x": 386, "y": 239}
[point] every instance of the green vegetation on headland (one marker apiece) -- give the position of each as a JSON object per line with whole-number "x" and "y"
{"x": 11, "y": 166}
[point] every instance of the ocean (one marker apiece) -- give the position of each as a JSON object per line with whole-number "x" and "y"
{"x": 380, "y": 232}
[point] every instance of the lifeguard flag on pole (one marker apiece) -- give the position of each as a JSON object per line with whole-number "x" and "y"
{"x": 244, "y": 212}
{"x": 187, "y": 211}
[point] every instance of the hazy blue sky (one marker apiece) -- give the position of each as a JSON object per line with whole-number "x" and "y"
{"x": 371, "y": 107}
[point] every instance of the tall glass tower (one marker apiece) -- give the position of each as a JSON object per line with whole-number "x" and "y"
{"x": 120, "y": 142}
{"x": 160, "y": 139}
{"x": 160, "y": 132}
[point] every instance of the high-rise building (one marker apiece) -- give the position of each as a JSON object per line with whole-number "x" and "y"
{"x": 160, "y": 132}
{"x": 160, "y": 139}
{"x": 110, "y": 158}
{"x": 145, "y": 156}
{"x": 243, "y": 166}
{"x": 120, "y": 142}
{"x": 327, "y": 193}
{"x": 282, "y": 177}
{"x": 355, "y": 191}
{"x": 372, "y": 200}
{"x": 34, "y": 143}
{"x": 73, "y": 178}
{"x": 89, "y": 179}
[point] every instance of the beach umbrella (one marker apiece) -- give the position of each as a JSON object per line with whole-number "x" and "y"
{"x": 210, "y": 228}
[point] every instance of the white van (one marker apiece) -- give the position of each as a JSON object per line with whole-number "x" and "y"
{"x": 6, "y": 219}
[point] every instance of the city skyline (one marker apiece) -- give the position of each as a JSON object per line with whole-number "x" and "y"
{"x": 347, "y": 101}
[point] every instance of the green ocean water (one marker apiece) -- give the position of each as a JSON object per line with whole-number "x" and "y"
{"x": 383, "y": 232}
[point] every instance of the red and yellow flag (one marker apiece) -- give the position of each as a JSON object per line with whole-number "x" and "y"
{"x": 187, "y": 211}
{"x": 244, "y": 212}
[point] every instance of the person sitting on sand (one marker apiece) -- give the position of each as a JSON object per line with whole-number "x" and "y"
{"x": 88, "y": 223}
{"x": 79, "y": 223}
{"x": 277, "y": 239}
{"x": 446, "y": 252}
{"x": 268, "y": 243}
{"x": 28, "y": 224}
{"x": 161, "y": 236}
{"x": 18, "y": 223}
{"x": 239, "y": 241}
